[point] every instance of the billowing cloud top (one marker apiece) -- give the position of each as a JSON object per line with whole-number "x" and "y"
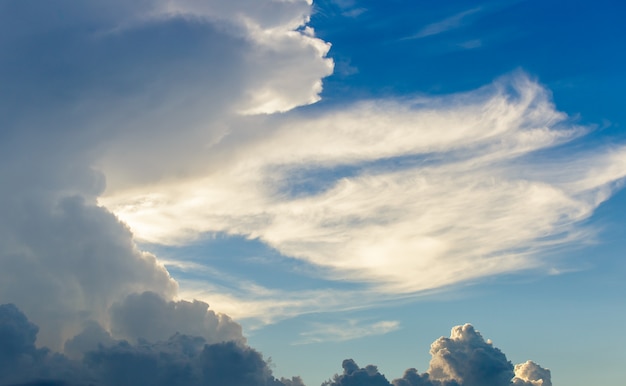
{"x": 464, "y": 359}
{"x": 123, "y": 84}
{"x": 179, "y": 360}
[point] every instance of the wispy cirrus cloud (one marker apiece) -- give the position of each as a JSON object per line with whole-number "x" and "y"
{"x": 447, "y": 24}
{"x": 403, "y": 196}
{"x": 348, "y": 330}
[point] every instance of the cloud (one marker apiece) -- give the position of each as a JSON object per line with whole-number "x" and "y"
{"x": 449, "y": 23}
{"x": 78, "y": 255}
{"x": 353, "y": 375}
{"x": 531, "y": 374}
{"x": 178, "y": 360}
{"x": 352, "y": 329}
{"x": 21, "y": 361}
{"x": 108, "y": 84}
{"x": 464, "y": 359}
{"x": 402, "y": 195}
{"x": 148, "y": 316}
{"x": 349, "y": 8}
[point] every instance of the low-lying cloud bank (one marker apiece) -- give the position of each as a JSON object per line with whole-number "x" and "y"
{"x": 180, "y": 359}
{"x": 464, "y": 359}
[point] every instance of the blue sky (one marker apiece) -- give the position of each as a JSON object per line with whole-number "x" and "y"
{"x": 345, "y": 179}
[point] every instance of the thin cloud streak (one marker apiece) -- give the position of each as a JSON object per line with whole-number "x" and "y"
{"x": 349, "y": 330}
{"x": 260, "y": 306}
{"x": 447, "y": 24}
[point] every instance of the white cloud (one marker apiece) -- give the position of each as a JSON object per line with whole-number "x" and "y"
{"x": 464, "y": 359}
{"x": 449, "y": 23}
{"x": 531, "y": 374}
{"x": 152, "y": 84}
{"x": 259, "y": 305}
{"x": 440, "y": 190}
{"x": 351, "y": 329}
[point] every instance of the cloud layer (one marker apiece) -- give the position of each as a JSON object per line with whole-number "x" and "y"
{"x": 179, "y": 360}
{"x": 464, "y": 359}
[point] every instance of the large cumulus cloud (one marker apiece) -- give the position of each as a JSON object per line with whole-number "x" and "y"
{"x": 109, "y": 84}
{"x": 65, "y": 261}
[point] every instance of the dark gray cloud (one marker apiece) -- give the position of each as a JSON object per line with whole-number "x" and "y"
{"x": 412, "y": 377}
{"x": 22, "y": 362}
{"x": 353, "y": 375}
{"x": 91, "y": 338}
{"x": 117, "y": 85}
{"x": 293, "y": 381}
{"x": 179, "y": 360}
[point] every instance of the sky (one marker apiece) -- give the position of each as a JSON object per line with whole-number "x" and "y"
{"x": 273, "y": 192}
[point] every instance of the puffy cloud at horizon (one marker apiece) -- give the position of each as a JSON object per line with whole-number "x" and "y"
{"x": 531, "y": 374}
{"x": 179, "y": 360}
{"x": 464, "y": 359}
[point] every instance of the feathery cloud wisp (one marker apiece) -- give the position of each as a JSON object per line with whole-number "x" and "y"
{"x": 404, "y": 195}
